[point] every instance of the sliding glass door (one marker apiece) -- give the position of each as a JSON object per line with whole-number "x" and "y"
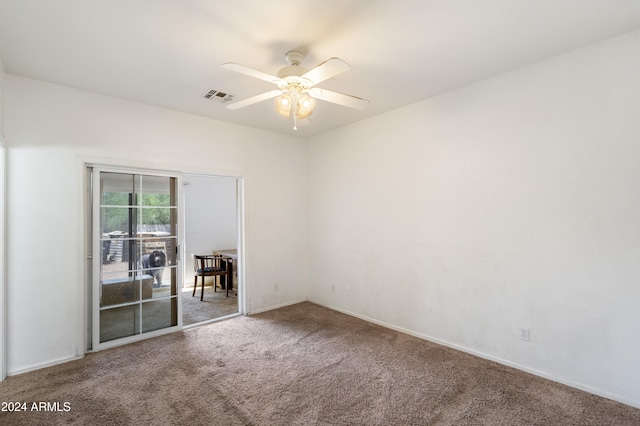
{"x": 135, "y": 262}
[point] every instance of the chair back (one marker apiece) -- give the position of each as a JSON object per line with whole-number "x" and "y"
{"x": 207, "y": 264}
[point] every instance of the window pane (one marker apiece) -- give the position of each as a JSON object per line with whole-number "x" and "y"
{"x": 166, "y": 289}
{"x": 117, "y": 222}
{"x": 120, "y": 253}
{"x": 159, "y": 314}
{"x": 120, "y": 288}
{"x": 155, "y": 220}
{"x": 119, "y": 322}
{"x": 117, "y": 189}
{"x": 153, "y": 264}
{"x": 154, "y": 191}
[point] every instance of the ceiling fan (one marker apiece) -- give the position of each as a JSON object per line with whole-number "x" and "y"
{"x": 296, "y": 94}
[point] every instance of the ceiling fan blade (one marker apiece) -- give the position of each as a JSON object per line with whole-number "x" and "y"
{"x": 251, "y": 72}
{"x": 339, "y": 98}
{"x": 254, "y": 99}
{"x": 326, "y": 70}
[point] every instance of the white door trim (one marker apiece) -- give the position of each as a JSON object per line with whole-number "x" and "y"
{"x": 3, "y": 274}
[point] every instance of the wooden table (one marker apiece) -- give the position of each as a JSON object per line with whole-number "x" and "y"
{"x": 230, "y": 255}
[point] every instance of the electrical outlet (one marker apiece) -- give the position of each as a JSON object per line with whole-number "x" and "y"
{"x": 333, "y": 288}
{"x": 348, "y": 290}
{"x": 525, "y": 334}
{"x": 275, "y": 287}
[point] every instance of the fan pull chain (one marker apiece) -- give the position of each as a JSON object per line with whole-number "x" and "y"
{"x": 294, "y": 112}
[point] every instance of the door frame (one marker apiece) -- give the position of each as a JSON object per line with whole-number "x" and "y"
{"x": 86, "y": 235}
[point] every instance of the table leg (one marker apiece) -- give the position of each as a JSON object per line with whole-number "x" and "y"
{"x": 229, "y": 276}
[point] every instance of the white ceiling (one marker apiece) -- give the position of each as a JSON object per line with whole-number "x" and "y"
{"x": 168, "y": 52}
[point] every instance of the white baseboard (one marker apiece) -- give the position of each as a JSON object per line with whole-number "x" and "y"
{"x": 44, "y": 365}
{"x": 271, "y": 308}
{"x": 539, "y": 373}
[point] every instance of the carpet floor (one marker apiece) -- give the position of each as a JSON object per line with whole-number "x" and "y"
{"x": 216, "y": 304}
{"x": 298, "y": 365}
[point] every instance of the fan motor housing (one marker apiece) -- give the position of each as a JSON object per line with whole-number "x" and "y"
{"x": 292, "y": 71}
{"x": 294, "y": 58}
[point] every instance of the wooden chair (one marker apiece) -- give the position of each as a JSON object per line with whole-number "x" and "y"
{"x": 209, "y": 266}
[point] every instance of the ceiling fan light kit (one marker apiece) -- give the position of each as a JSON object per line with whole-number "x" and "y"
{"x": 296, "y": 95}
{"x": 295, "y": 104}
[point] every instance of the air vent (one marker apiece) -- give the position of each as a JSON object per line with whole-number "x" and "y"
{"x": 217, "y": 96}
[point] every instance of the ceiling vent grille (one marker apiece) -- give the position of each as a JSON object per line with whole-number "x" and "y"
{"x": 217, "y": 96}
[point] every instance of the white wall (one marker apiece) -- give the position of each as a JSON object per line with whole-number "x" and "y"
{"x": 509, "y": 203}
{"x": 3, "y": 370}
{"x": 1, "y": 101}
{"x": 50, "y": 129}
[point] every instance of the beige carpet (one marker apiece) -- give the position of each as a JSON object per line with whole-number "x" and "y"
{"x": 215, "y": 305}
{"x": 299, "y": 365}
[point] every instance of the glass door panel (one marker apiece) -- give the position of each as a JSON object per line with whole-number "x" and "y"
{"x": 137, "y": 283}
{"x": 119, "y": 322}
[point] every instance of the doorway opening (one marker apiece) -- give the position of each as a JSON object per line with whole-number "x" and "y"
{"x": 211, "y": 228}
